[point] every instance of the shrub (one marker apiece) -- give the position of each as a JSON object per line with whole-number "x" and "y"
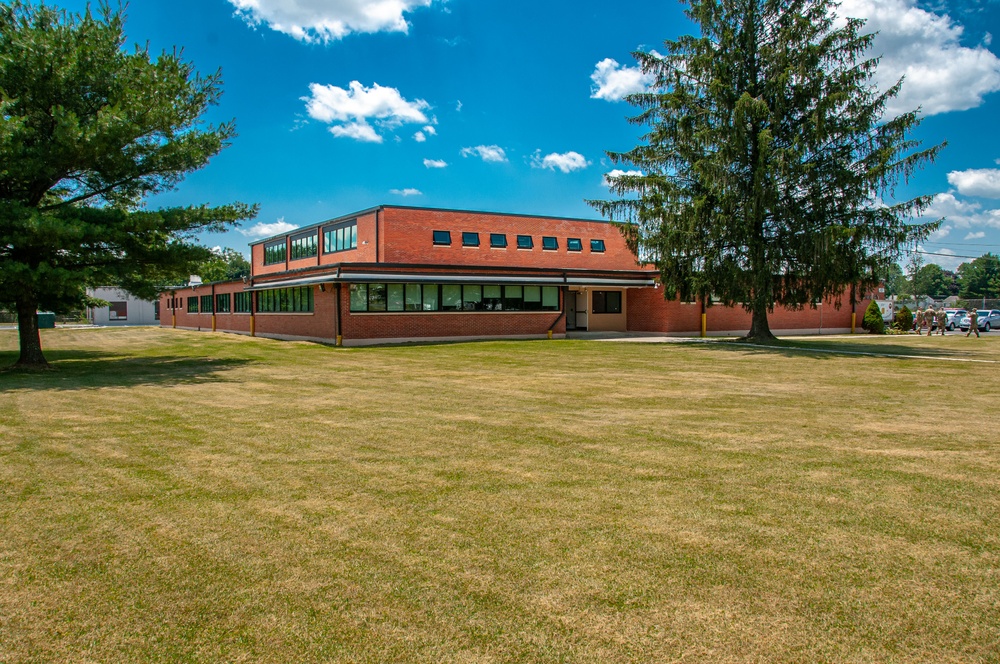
{"x": 903, "y": 320}
{"x": 873, "y": 319}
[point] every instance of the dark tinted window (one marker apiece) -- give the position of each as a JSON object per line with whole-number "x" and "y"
{"x": 470, "y": 239}
{"x": 498, "y": 240}
{"x": 574, "y": 244}
{"x": 524, "y": 242}
{"x": 442, "y": 237}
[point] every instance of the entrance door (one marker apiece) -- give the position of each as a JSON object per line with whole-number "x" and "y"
{"x": 569, "y": 299}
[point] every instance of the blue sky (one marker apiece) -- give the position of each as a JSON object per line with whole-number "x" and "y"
{"x": 509, "y": 106}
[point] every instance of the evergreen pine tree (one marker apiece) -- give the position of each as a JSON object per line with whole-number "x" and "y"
{"x": 766, "y": 159}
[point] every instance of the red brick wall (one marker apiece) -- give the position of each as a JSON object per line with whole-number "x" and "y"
{"x": 649, "y": 312}
{"x": 365, "y": 252}
{"x": 231, "y": 321}
{"x": 454, "y": 324}
{"x": 407, "y": 238}
{"x": 320, "y": 324}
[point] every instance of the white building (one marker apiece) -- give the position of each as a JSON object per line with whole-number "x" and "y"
{"x": 123, "y": 308}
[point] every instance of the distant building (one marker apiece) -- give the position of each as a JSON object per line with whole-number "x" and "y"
{"x": 392, "y": 274}
{"x": 123, "y": 308}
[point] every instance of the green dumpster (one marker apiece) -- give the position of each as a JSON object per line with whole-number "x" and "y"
{"x": 46, "y": 320}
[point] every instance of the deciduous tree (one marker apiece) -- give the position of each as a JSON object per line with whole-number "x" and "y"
{"x": 88, "y": 129}
{"x": 767, "y": 157}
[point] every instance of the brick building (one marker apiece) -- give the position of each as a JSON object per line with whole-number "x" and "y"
{"x": 393, "y": 273}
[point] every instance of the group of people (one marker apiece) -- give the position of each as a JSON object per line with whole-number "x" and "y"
{"x": 928, "y": 316}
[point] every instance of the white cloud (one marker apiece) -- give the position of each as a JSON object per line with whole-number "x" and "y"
{"x": 435, "y": 163}
{"x": 430, "y": 130}
{"x": 566, "y": 162}
{"x": 616, "y": 173}
{"x": 359, "y": 131}
{"x": 422, "y": 135}
{"x": 327, "y": 20}
{"x": 941, "y": 233}
{"x": 419, "y": 137}
{"x": 458, "y": 106}
{"x": 406, "y": 192}
{"x": 975, "y": 236}
{"x": 941, "y": 74}
{"x": 961, "y": 214}
{"x": 357, "y": 105}
{"x": 613, "y": 81}
{"x": 261, "y": 229}
{"x": 488, "y": 153}
{"x": 983, "y": 182}
{"x": 945, "y": 261}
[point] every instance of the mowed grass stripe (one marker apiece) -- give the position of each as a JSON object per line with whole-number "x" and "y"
{"x": 177, "y": 496}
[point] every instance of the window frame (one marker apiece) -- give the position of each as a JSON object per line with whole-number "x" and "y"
{"x": 333, "y": 243}
{"x": 271, "y": 250}
{"x": 470, "y": 239}
{"x": 222, "y": 303}
{"x": 525, "y": 242}
{"x": 574, "y": 244}
{"x": 498, "y": 240}
{"x": 597, "y": 246}
{"x": 303, "y": 245}
{"x": 210, "y": 309}
{"x": 604, "y": 301}
{"x": 550, "y": 243}
{"x": 441, "y": 238}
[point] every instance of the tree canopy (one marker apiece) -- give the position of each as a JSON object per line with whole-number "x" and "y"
{"x": 930, "y": 280}
{"x": 980, "y": 278}
{"x": 89, "y": 129}
{"x": 224, "y": 265}
{"x": 764, "y": 171}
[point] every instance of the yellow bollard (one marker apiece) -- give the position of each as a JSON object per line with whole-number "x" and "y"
{"x": 253, "y": 326}
{"x": 704, "y": 325}
{"x": 340, "y": 340}
{"x": 550, "y": 334}
{"x": 174, "y": 320}
{"x": 854, "y": 319}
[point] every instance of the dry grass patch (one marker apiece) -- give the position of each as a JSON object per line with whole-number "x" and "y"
{"x": 175, "y": 496}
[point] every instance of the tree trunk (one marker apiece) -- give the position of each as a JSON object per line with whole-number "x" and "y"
{"x": 760, "y": 331}
{"x": 31, "y": 342}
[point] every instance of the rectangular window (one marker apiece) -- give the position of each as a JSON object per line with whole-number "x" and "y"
{"x": 472, "y": 298}
{"x": 206, "y": 304}
{"x": 470, "y": 239}
{"x": 274, "y": 253}
{"x": 550, "y": 297}
{"x": 193, "y": 304}
{"x": 305, "y": 246}
{"x": 607, "y": 302}
{"x": 242, "y": 302}
{"x": 550, "y": 243}
{"x": 524, "y": 242}
{"x": 493, "y": 298}
{"x": 597, "y": 246}
{"x": 412, "y": 297}
{"x": 574, "y": 244}
{"x": 442, "y": 237}
{"x": 222, "y": 303}
{"x": 359, "y": 297}
{"x": 395, "y": 297}
{"x": 341, "y": 237}
{"x": 117, "y": 310}
{"x": 498, "y": 240}
{"x": 451, "y": 297}
{"x": 286, "y": 300}
{"x": 430, "y": 297}
{"x": 156, "y": 310}
{"x": 513, "y": 298}
{"x": 376, "y": 297}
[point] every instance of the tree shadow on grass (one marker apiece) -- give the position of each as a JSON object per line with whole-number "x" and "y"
{"x": 85, "y": 370}
{"x": 825, "y": 349}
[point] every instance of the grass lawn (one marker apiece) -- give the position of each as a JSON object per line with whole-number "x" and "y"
{"x": 170, "y": 496}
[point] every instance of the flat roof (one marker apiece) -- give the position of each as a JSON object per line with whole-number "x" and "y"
{"x": 359, "y": 213}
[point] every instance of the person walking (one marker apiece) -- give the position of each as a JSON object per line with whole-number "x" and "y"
{"x": 973, "y": 322}
{"x": 929, "y": 315}
{"x": 918, "y": 320}
{"x": 942, "y": 319}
